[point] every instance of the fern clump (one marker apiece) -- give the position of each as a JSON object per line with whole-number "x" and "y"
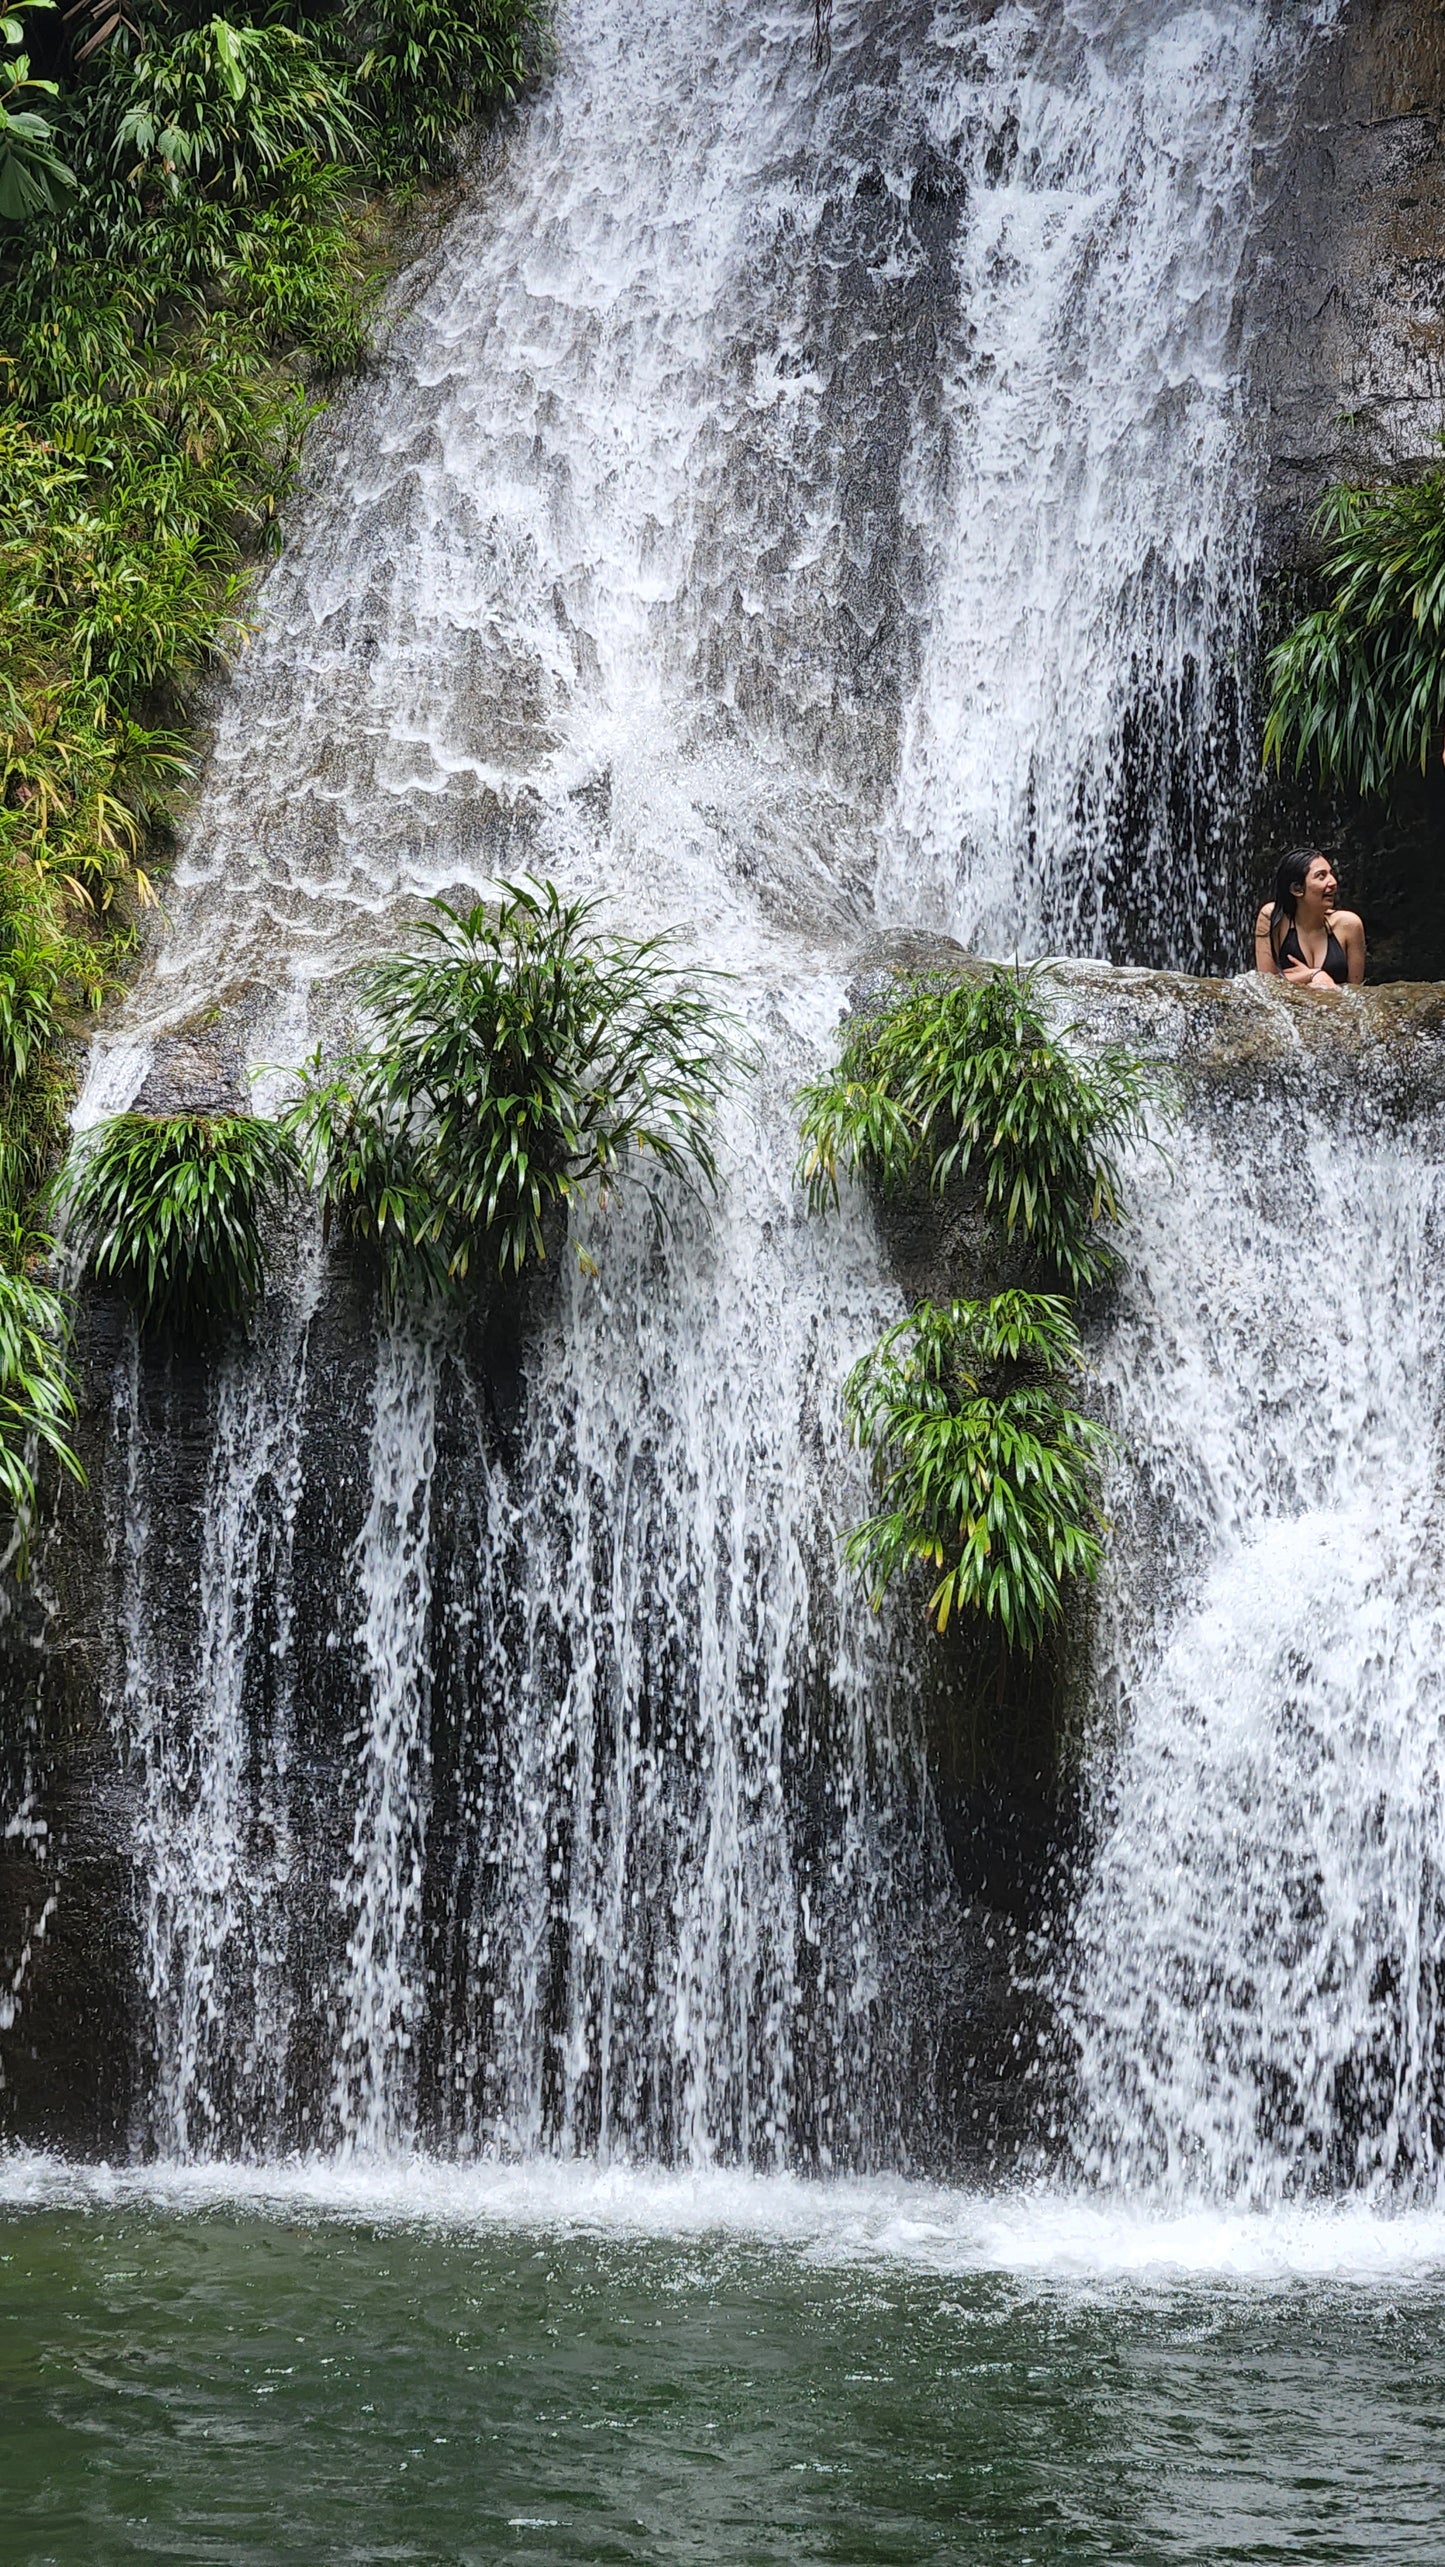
{"x": 960, "y": 1078}
{"x": 171, "y": 1209}
{"x": 987, "y": 1474}
{"x": 520, "y": 1056}
{"x": 1357, "y": 688}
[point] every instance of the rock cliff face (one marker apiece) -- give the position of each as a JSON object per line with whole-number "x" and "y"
{"x": 1355, "y": 315}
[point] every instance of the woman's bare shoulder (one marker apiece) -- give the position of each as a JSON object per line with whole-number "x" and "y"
{"x": 1265, "y": 915}
{"x": 1349, "y": 919}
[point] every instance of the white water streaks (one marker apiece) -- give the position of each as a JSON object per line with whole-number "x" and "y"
{"x": 213, "y": 1835}
{"x": 780, "y": 482}
{"x": 1074, "y": 765}
{"x": 700, "y": 1828}
{"x": 381, "y": 1997}
{"x": 544, "y": 1782}
{"x": 1255, "y": 1989}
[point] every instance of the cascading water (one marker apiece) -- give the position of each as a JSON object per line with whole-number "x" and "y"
{"x": 788, "y": 504}
{"x": 791, "y": 500}
{"x": 1074, "y": 751}
{"x": 1256, "y": 1988}
{"x": 626, "y": 1844}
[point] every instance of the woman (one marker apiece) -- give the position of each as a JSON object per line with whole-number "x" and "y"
{"x": 1300, "y": 936}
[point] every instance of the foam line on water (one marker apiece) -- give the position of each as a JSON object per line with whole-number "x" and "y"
{"x": 1037, "y": 2237}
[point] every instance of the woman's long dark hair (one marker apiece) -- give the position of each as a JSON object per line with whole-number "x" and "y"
{"x": 1289, "y": 882}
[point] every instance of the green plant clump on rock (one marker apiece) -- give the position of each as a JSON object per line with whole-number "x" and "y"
{"x": 1357, "y": 689}
{"x": 170, "y": 1210}
{"x": 989, "y": 1474}
{"x": 519, "y": 1057}
{"x": 959, "y": 1078}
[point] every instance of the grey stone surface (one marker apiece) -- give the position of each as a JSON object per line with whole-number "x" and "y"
{"x": 1351, "y": 347}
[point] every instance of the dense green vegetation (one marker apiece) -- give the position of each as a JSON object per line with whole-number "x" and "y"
{"x": 171, "y": 1209}
{"x": 189, "y": 243}
{"x": 520, "y": 1055}
{"x": 987, "y": 1475}
{"x": 1357, "y": 688}
{"x": 987, "y": 1472}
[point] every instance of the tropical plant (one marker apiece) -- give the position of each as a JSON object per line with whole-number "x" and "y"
{"x": 33, "y": 975}
{"x": 37, "y": 1397}
{"x": 963, "y": 1077}
{"x": 33, "y": 178}
{"x": 171, "y": 1210}
{"x": 985, "y": 1472}
{"x": 226, "y": 107}
{"x": 430, "y": 65}
{"x": 521, "y": 1056}
{"x": 1357, "y": 688}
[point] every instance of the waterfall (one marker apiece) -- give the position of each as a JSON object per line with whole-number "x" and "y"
{"x": 1255, "y": 1985}
{"x": 785, "y": 503}
{"x": 787, "y": 500}
{"x": 1073, "y": 752}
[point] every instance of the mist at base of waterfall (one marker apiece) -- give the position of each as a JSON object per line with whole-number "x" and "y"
{"x": 263, "y": 2383}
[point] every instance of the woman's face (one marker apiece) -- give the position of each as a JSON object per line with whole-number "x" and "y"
{"x": 1319, "y": 882}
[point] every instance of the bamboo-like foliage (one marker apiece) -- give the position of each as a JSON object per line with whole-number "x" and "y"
{"x": 33, "y": 177}
{"x": 960, "y": 1078}
{"x": 227, "y": 106}
{"x": 1357, "y": 689}
{"x": 988, "y": 1477}
{"x": 521, "y": 1055}
{"x": 430, "y": 63}
{"x": 171, "y": 1211}
{"x": 37, "y": 1397}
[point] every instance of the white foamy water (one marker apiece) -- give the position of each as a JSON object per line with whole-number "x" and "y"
{"x": 1040, "y": 2240}
{"x": 1083, "y": 512}
{"x": 787, "y": 499}
{"x": 1255, "y": 1985}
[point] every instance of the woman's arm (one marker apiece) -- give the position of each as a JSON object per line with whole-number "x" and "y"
{"x": 1264, "y": 961}
{"x": 1351, "y": 933}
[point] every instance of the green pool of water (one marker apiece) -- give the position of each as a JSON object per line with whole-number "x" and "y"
{"x": 230, "y": 2382}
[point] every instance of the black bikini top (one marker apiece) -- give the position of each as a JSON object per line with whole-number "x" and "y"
{"x": 1336, "y": 962}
